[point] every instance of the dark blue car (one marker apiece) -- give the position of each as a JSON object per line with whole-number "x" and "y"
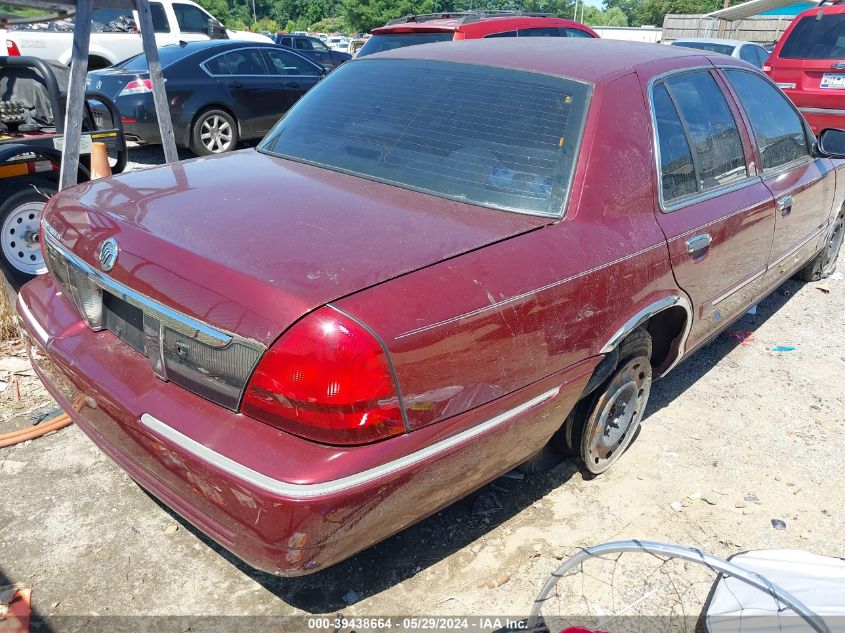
{"x": 312, "y": 48}
{"x": 219, "y": 91}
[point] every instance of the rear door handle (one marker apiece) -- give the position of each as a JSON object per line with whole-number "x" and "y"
{"x": 785, "y": 205}
{"x": 698, "y": 243}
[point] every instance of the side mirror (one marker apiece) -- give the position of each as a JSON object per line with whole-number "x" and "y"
{"x": 831, "y": 143}
{"x": 215, "y": 30}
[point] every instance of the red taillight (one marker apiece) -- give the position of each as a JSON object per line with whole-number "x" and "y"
{"x": 137, "y": 86}
{"x": 326, "y": 379}
{"x": 12, "y": 49}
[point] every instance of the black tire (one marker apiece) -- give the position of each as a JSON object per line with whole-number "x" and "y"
{"x": 20, "y": 251}
{"x": 586, "y": 425}
{"x": 214, "y": 131}
{"x": 823, "y": 265}
{"x": 543, "y": 460}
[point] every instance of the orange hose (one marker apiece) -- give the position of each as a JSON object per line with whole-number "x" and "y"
{"x": 16, "y": 437}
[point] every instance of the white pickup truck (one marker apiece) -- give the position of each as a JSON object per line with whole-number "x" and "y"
{"x": 115, "y": 36}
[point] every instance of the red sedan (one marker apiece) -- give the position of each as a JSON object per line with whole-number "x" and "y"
{"x": 443, "y": 261}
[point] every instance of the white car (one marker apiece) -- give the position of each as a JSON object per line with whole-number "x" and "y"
{"x": 337, "y": 43}
{"x": 114, "y": 35}
{"x": 750, "y": 52}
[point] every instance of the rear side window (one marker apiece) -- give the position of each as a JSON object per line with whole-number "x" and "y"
{"x": 713, "y": 47}
{"x": 502, "y": 34}
{"x": 816, "y": 37}
{"x": 160, "y": 23}
{"x": 389, "y": 41}
{"x": 677, "y": 170}
{"x": 247, "y": 61}
{"x": 489, "y": 136}
{"x": 574, "y": 33}
{"x": 190, "y": 19}
{"x": 710, "y": 127}
{"x": 748, "y": 54}
{"x": 777, "y": 127}
{"x": 548, "y": 31}
{"x": 286, "y": 41}
{"x": 285, "y": 63}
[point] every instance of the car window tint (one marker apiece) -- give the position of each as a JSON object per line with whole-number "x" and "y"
{"x": 821, "y": 37}
{"x": 489, "y": 136}
{"x": 303, "y": 44}
{"x": 748, "y": 54}
{"x": 574, "y": 33}
{"x": 246, "y": 61}
{"x": 160, "y": 23}
{"x": 217, "y": 65}
{"x": 190, "y": 19}
{"x": 286, "y": 41}
{"x": 677, "y": 171}
{"x": 713, "y": 47}
{"x": 502, "y": 34}
{"x": 777, "y": 127}
{"x": 762, "y": 55}
{"x": 319, "y": 45}
{"x": 284, "y": 63}
{"x": 389, "y": 41}
{"x": 548, "y": 31}
{"x": 711, "y": 128}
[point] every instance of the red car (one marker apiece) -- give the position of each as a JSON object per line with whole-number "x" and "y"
{"x": 808, "y": 64}
{"x": 453, "y": 258}
{"x": 469, "y": 25}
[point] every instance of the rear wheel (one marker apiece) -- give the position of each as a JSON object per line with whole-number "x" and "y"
{"x": 824, "y": 264}
{"x": 214, "y": 132}
{"x": 607, "y": 421}
{"x": 21, "y": 205}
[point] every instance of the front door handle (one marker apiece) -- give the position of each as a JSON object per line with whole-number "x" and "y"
{"x": 698, "y": 243}
{"x": 785, "y": 205}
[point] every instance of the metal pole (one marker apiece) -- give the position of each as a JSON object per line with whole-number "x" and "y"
{"x": 148, "y": 39}
{"x": 75, "y": 105}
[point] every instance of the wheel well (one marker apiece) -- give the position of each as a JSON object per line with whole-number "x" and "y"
{"x": 667, "y": 329}
{"x": 95, "y": 62}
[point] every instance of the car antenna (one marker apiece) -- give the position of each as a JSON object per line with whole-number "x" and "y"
{"x": 183, "y": 43}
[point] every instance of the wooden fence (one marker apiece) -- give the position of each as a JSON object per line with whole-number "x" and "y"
{"x": 763, "y": 29}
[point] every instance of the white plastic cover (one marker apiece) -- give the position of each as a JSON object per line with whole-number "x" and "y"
{"x": 817, "y": 581}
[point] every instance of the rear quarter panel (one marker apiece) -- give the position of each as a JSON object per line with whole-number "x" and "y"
{"x": 473, "y": 328}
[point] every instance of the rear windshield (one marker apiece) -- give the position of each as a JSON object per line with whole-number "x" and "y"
{"x": 489, "y": 136}
{"x": 814, "y": 38}
{"x": 388, "y": 42}
{"x": 725, "y": 49}
{"x": 167, "y": 55}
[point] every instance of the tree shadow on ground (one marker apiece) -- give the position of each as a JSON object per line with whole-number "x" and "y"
{"x": 402, "y": 556}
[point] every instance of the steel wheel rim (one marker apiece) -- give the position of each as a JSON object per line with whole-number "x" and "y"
{"x": 20, "y": 238}
{"x": 612, "y": 428}
{"x": 216, "y": 134}
{"x": 834, "y": 244}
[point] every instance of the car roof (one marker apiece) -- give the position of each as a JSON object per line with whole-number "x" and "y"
{"x": 714, "y": 40}
{"x": 836, "y": 7}
{"x": 462, "y": 23}
{"x": 584, "y": 59}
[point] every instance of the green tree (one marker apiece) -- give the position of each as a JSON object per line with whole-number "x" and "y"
{"x": 653, "y": 11}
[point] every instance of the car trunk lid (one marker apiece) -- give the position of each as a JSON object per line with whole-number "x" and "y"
{"x": 248, "y": 243}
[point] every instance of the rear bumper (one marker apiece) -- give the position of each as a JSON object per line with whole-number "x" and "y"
{"x": 823, "y": 118}
{"x": 282, "y": 504}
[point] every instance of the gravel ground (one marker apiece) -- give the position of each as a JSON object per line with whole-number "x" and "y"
{"x": 736, "y": 436}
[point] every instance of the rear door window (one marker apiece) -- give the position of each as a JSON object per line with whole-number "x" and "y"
{"x": 247, "y": 61}
{"x": 677, "y": 171}
{"x": 285, "y": 63}
{"x": 489, "y": 136}
{"x": 502, "y": 34}
{"x": 776, "y": 125}
{"x": 574, "y": 33}
{"x": 547, "y": 31}
{"x": 190, "y": 19}
{"x": 816, "y": 37}
{"x": 710, "y": 128}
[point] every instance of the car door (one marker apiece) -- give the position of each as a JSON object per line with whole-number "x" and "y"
{"x": 296, "y": 74}
{"x": 192, "y": 22}
{"x": 793, "y": 176}
{"x": 716, "y": 214}
{"x": 257, "y": 96}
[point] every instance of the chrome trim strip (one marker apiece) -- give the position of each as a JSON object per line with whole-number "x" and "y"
{"x": 37, "y": 328}
{"x": 309, "y": 491}
{"x": 742, "y": 284}
{"x": 797, "y": 247}
{"x": 822, "y": 111}
{"x": 171, "y": 318}
{"x": 643, "y": 315}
